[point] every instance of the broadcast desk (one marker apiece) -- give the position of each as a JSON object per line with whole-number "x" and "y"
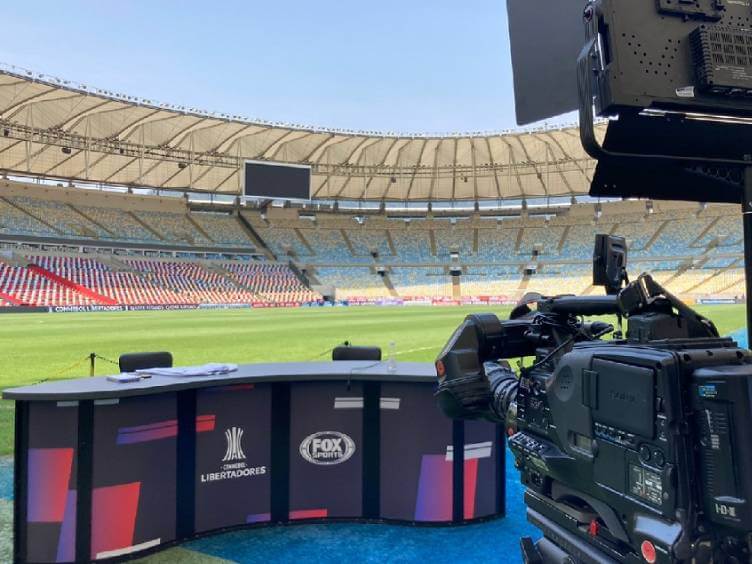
{"x": 107, "y": 470}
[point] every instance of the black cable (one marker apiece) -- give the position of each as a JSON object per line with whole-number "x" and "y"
{"x": 572, "y": 325}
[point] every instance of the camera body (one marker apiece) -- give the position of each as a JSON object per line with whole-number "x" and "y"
{"x": 631, "y": 450}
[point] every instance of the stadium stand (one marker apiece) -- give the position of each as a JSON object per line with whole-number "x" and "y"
{"x": 366, "y": 242}
{"x": 15, "y": 221}
{"x": 285, "y": 242}
{"x": 273, "y": 283}
{"x": 223, "y": 229}
{"x": 174, "y": 227}
{"x": 57, "y": 280}
{"x": 355, "y": 283}
{"x": 120, "y": 224}
{"x": 413, "y": 245}
{"x": 65, "y": 220}
{"x": 161, "y": 252}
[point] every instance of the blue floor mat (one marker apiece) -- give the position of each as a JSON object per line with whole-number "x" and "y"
{"x": 6, "y": 477}
{"x": 740, "y": 336}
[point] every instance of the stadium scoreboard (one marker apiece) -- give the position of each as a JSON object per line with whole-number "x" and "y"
{"x": 282, "y": 181}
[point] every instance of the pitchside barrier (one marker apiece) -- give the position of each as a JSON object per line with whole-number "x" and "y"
{"x": 485, "y": 300}
{"x": 109, "y": 470}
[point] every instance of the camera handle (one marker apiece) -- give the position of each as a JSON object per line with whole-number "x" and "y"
{"x": 640, "y": 295}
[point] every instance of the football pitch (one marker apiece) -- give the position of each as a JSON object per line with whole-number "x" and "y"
{"x": 40, "y": 347}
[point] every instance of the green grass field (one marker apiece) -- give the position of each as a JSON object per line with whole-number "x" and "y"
{"x": 55, "y": 346}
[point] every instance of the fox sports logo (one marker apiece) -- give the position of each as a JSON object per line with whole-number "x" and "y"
{"x": 326, "y": 448}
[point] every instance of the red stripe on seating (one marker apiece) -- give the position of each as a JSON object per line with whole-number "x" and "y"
{"x": 83, "y": 290}
{"x": 10, "y": 299}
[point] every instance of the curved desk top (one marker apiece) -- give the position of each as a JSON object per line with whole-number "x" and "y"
{"x": 102, "y": 388}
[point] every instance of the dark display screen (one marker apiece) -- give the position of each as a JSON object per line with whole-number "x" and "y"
{"x": 274, "y": 180}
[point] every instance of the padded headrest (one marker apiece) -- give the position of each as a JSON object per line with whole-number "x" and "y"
{"x": 140, "y": 361}
{"x": 348, "y": 352}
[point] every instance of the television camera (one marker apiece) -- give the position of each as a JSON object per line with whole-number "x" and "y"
{"x": 632, "y": 449}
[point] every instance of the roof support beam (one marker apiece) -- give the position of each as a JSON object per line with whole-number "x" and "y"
{"x": 225, "y": 144}
{"x": 140, "y": 122}
{"x": 474, "y": 174}
{"x": 454, "y": 171}
{"x": 434, "y": 176}
{"x": 513, "y": 167}
{"x": 122, "y": 107}
{"x": 62, "y": 162}
{"x": 493, "y": 168}
{"x": 383, "y": 162}
{"x": 31, "y": 156}
{"x": 532, "y": 163}
{"x": 11, "y": 110}
{"x": 326, "y": 140}
{"x": 416, "y": 168}
{"x": 271, "y": 151}
{"x": 349, "y": 178}
{"x": 80, "y": 115}
{"x": 229, "y": 176}
{"x": 180, "y": 136}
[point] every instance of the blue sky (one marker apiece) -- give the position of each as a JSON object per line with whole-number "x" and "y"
{"x": 405, "y": 66}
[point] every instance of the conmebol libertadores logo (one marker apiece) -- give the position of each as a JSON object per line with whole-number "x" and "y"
{"x": 233, "y": 463}
{"x": 234, "y": 451}
{"x": 327, "y": 447}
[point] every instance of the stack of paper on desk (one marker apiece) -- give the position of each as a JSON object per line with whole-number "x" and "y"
{"x": 210, "y": 369}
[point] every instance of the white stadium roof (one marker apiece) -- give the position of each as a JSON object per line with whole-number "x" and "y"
{"x": 56, "y": 129}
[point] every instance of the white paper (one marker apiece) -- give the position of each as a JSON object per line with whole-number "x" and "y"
{"x": 211, "y": 369}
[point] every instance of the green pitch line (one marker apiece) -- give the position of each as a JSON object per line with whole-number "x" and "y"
{"x": 39, "y": 346}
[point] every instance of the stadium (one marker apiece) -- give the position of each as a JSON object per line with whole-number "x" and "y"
{"x": 111, "y": 201}
{"x": 129, "y": 225}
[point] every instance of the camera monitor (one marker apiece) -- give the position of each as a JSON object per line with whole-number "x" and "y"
{"x": 609, "y": 262}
